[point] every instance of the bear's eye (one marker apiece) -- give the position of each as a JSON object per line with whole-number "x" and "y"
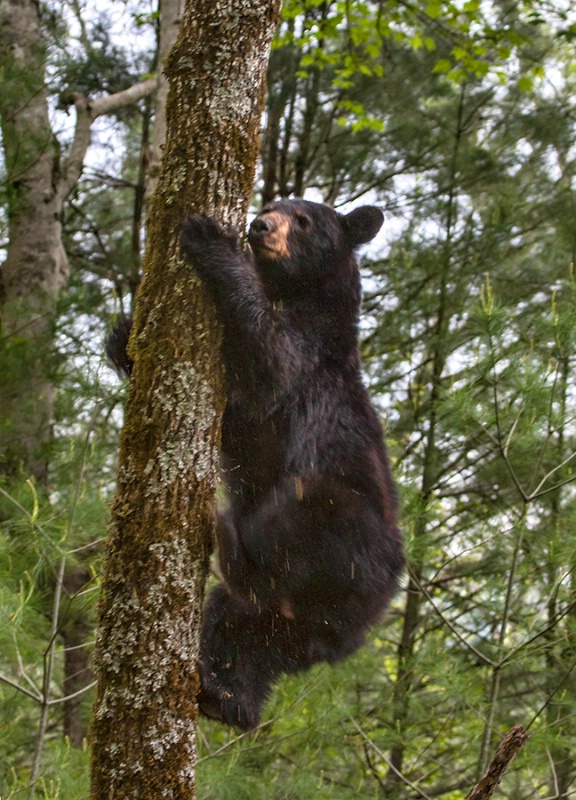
{"x": 302, "y": 220}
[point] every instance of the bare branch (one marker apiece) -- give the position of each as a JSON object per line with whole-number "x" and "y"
{"x": 14, "y": 685}
{"x": 35, "y": 690}
{"x": 65, "y": 699}
{"x": 49, "y": 662}
{"x": 112, "y": 102}
{"x": 387, "y": 761}
{"x": 538, "y": 490}
{"x": 86, "y": 113}
{"x": 497, "y": 768}
{"x": 483, "y": 658}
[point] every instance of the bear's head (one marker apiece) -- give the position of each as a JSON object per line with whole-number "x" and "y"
{"x": 300, "y": 246}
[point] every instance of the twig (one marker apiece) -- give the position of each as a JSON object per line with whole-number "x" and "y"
{"x": 481, "y": 656}
{"x": 388, "y": 763}
{"x": 49, "y": 663}
{"x": 14, "y": 685}
{"x": 77, "y": 693}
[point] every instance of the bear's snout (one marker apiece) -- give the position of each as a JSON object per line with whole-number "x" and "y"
{"x": 260, "y": 226}
{"x": 268, "y": 235}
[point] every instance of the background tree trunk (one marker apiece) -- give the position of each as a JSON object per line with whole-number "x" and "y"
{"x": 144, "y": 732}
{"x": 34, "y": 273}
{"x": 36, "y": 267}
{"x": 169, "y": 26}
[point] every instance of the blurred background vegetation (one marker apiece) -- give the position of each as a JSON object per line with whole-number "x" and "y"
{"x": 459, "y": 120}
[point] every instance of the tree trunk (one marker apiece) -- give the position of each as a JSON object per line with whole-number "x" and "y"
{"x": 75, "y": 630}
{"x": 169, "y": 27}
{"x": 437, "y": 360}
{"x": 144, "y": 736}
{"x": 35, "y": 268}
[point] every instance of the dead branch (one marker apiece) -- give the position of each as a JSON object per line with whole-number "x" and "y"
{"x": 497, "y": 768}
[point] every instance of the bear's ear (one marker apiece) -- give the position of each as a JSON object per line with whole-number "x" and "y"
{"x": 363, "y": 224}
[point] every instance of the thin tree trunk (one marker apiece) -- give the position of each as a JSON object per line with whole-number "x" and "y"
{"x": 170, "y": 15}
{"x": 144, "y": 735}
{"x": 279, "y": 98}
{"x": 312, "y": 103}
{"x": 77, "y": 668}
{"x": 414, "y": 597}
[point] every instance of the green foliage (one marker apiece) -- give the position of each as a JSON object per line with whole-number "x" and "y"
{"x": 100, "y": 66}
{"x": 49, "y": 563}
{"x": 470, "y": 347}
{"x": 467, "y": 40}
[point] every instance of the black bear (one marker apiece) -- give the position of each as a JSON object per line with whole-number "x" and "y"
{"x": 309, "y": 547}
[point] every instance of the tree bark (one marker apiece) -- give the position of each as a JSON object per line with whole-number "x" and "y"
{"x": 144, "y": 735}
{"x": 498, "y": 766}
{"x": 36, "y": 267}
{"x": 75, "y": 629}
{"x": 169, "y": 26}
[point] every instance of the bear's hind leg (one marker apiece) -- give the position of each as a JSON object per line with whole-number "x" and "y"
{"x": 243, "y": 649}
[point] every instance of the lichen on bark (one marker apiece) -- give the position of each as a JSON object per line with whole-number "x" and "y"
{"x": 160, "y": 538}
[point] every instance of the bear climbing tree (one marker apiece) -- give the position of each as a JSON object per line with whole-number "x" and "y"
{"x": 144, "y": 726}
{"x": 308, "y": 542}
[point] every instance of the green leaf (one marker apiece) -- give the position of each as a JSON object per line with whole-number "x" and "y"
{"x": 526, "y": 83}
{"x": 442, "y": 65}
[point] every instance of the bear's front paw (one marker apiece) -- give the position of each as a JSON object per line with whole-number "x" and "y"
{"x": 201, "y": 234}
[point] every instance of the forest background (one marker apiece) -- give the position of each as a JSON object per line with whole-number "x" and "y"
{"x": 459, "y": 120}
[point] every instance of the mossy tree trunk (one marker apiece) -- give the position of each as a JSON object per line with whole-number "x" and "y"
{"x": 144, "y": 733}
{"x": 38, "y": 178}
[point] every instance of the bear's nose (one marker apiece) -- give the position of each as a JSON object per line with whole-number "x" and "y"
{"x": 260, "y": 226}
